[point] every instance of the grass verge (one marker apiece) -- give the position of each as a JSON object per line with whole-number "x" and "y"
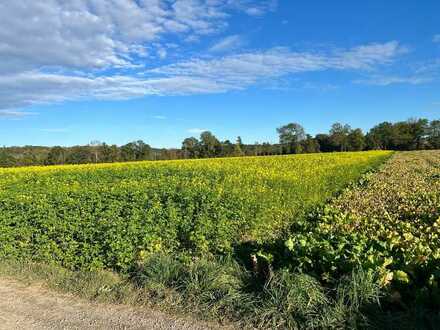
{"x": 217, "y": 289}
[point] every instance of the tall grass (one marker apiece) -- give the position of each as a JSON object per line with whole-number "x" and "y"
{"x": 220, "y": 289}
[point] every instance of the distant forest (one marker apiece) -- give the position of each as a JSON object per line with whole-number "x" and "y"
{"x": 412, "y": 134}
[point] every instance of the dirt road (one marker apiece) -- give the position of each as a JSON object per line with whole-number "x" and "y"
{"x": 33, "y": 307}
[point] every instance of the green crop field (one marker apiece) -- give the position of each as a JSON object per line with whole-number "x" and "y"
{"x": 111, "y": 215}
{"x": 337, "y": 240}
{"x": 389, "y": 223}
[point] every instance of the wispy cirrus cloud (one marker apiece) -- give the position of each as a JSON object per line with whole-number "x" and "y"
{"x": 195, "y": 76}
{"x": 34, "y": 88}
{"x": 436, "y": 38}
{"x": 227, "y": 43}
{"x": 159, "y": 117}
{"x": 11, "y": 114}
{"x": 391, "y": 80}
{"x": 418, "y": 73}
{"x": 255, "y": 8}
{"x": 242, "y": 70}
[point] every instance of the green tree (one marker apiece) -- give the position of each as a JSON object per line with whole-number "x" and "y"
{"x": 6, "y": 159}
{"x": 210, "y": 146}
{"x": 238, "y": 150}
{"x": 190, "y": 147}
{"x": 408, "y": 135}
{"x": 128, "y": 152}
{"x": 418, "y": 129}
{"x": 324, "y": 142}
{"x": 137, "y": 150}
{"x": 339, "y": 136}
{"x": 291, "y": 136}
{"x": 239, "y": 141}
{"x": 143, "y": 151}
{"x": 381, "y": 136}
{"x": 310, "y": 145}
{"x": 356, "y": 140}
{"x": 226, "y": 149}
{"x": 56, "y": 155}
{"x": 109, "y": 154}
{"x": 257, "y": 149}
{"x": 79, "y": 155}
{"x": 405, "y": 135}
{"x": 434, "y": 134}
{"x": 95, "y": 147}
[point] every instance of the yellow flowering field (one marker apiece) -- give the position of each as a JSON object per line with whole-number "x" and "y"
{"x": 112, "y": 215}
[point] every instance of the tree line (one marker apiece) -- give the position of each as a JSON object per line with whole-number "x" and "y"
{"x": 412, "y": 134}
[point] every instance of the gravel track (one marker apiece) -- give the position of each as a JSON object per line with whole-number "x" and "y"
{"x": 34, "y": 307}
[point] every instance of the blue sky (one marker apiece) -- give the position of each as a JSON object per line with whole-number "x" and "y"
{"x": 162, "y": 70}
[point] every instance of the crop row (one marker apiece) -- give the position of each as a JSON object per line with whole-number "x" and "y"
{"x": 389, "y": 223}
{"x": 114, "y": 215}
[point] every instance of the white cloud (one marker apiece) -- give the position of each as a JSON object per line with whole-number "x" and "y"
{"x": 254, "y": 11}
{"x": 197, "y": 76}
{"x": 11, "y": 114}
{"x": 391, "y": 80}
{"x": 30, "y": 88}
{"x": 416, "y": 74}
{"x": 196, "y": 130}
{"x": 55, "y": 50}
{"x": 96, "y": 34}
{"x": 238, "y": 71}
{"x": 255, "y": 8}
{"x": 227, "y": 43}
{"x": 160, "y": 117}
{"x": 436, "y": 38}
{"x": 162, "y": 53}
{"x": 367, "y": 56}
